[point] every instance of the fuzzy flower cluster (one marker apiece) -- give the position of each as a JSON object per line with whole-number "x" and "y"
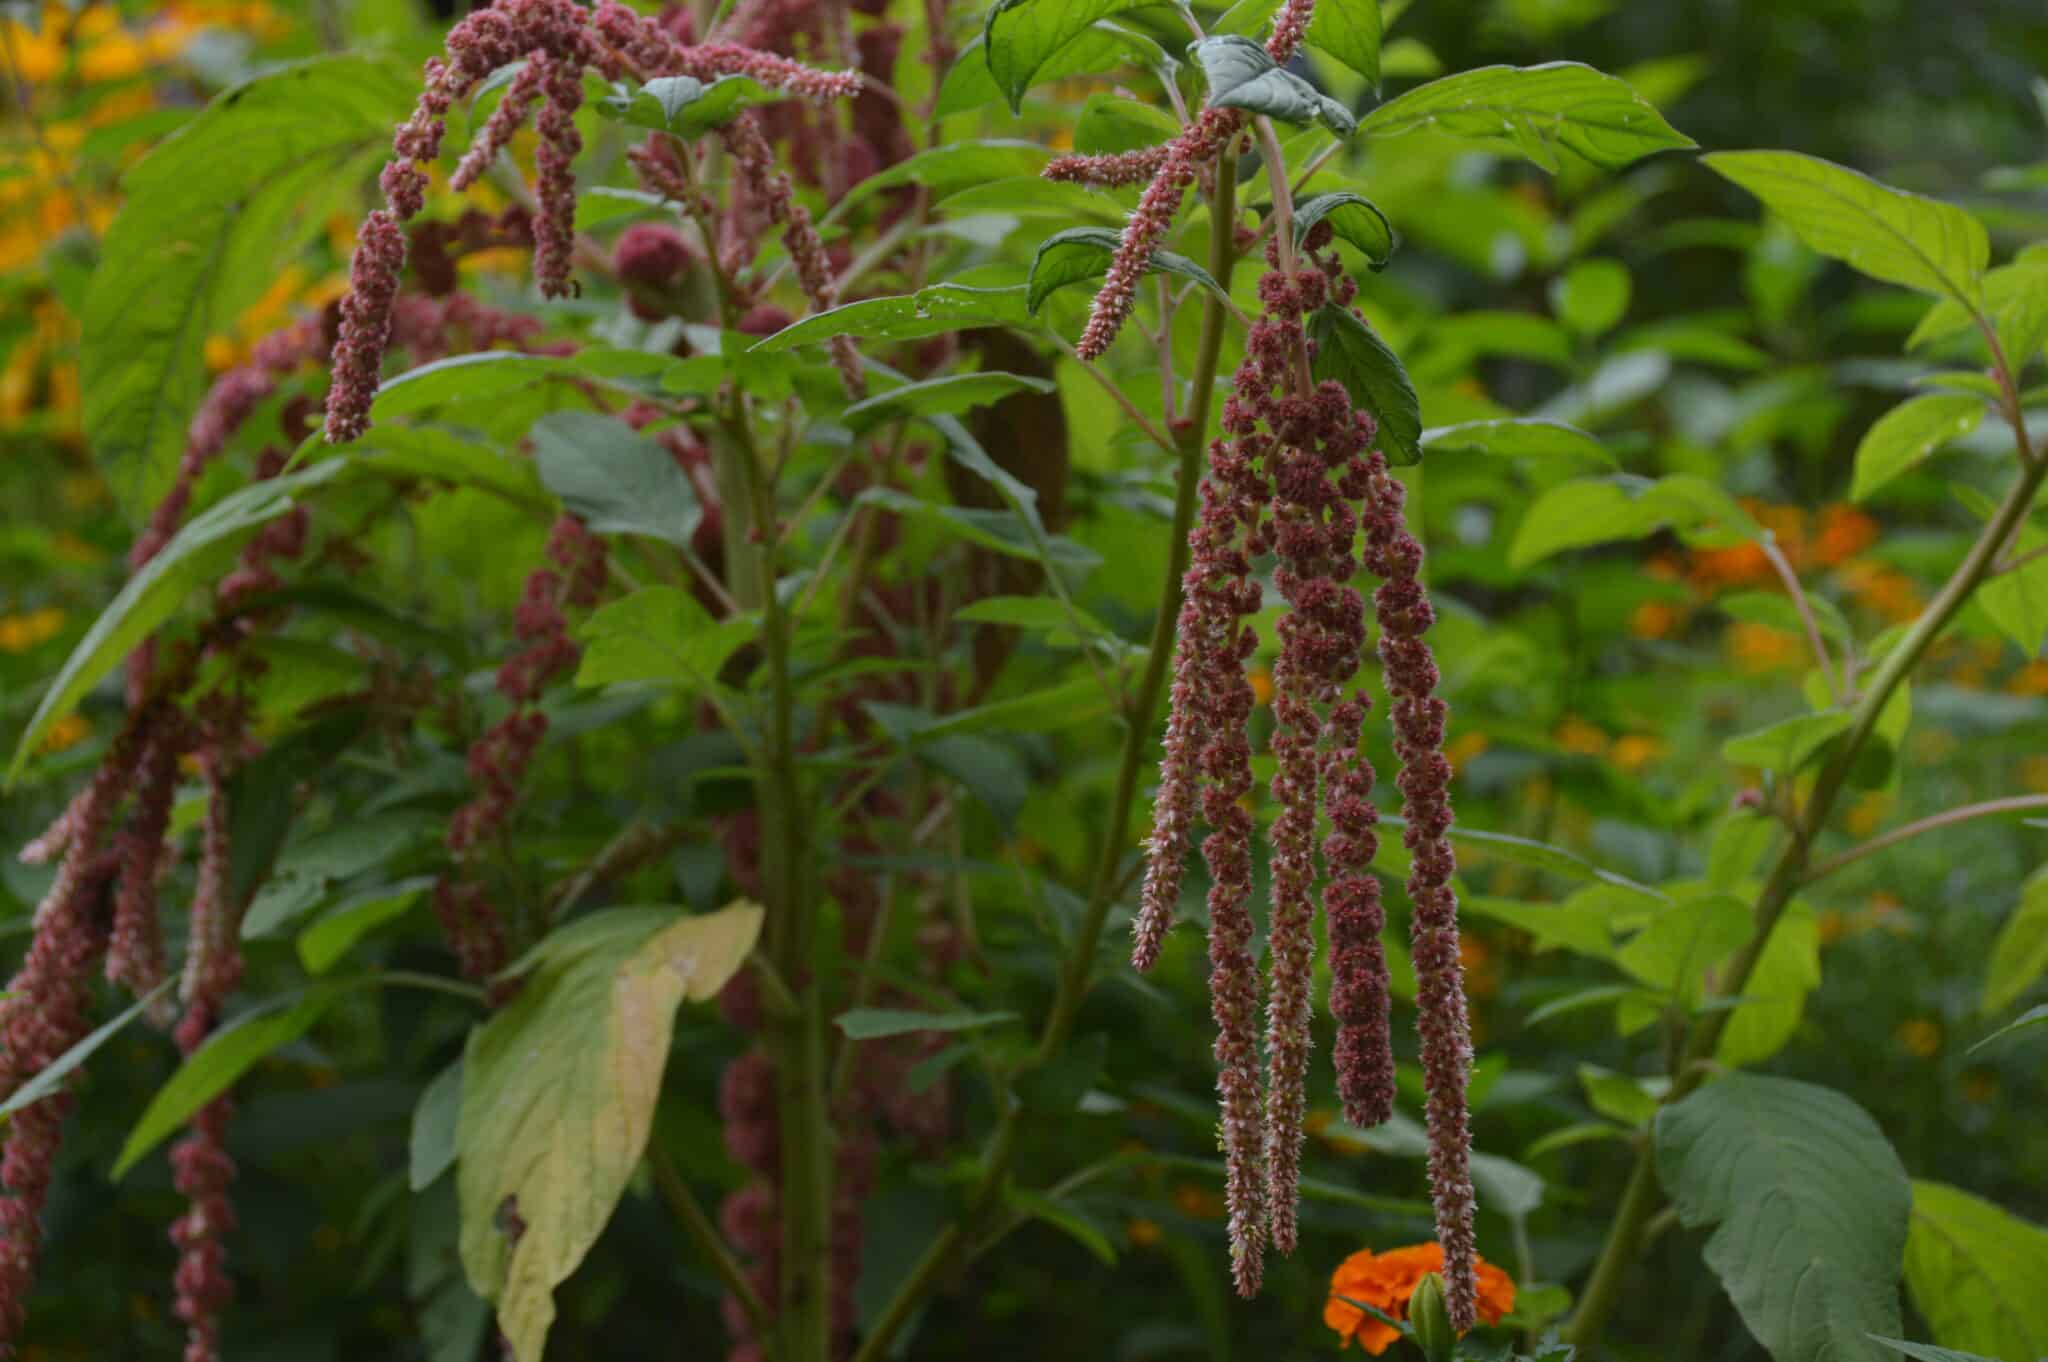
{"x": 1294, "y": 476}
{"x": 1175, "y": 166}
{"x": 498, "y": 760}
{"x": 558, "y": 40}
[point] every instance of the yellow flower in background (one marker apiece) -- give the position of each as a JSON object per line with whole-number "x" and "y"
{"x": 19, "y": 633}
{"x": 1636, "y": 750}
{"x": 1577, "y": 736}
{"x": 1759, "y": 648}
{"x": 1919, "y": 1037}
{"x": 1142, "y": 1233}
{"x": 68, "y": 731}
{"x": 1463, "y": 748}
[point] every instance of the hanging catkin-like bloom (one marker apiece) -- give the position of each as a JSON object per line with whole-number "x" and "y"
{"x": 1404, "y": 615}
{"x": 558, "y": 40}
{"x": 1294, "y": 474}
{"x": 755, "y": 163}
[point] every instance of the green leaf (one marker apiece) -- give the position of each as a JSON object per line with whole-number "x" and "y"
{"x": 684, "y": 105}
{"x": 1688, "y": 341}
{"x": 1352, "y": 353}
{"x": 969, "y": 84}
{"x": 873, "y": 1023}
{"x": 2017, "y": 600}
{"x": 1081, "y": 253}
{"x": 1110, "y": 124}
{"x": 1910, "y": 433}
{"x": 1774, "y": 999}
{"x": 1592, "y": 296}
{"x": 1519, "y": 438}
{"x": 1777, "y": 611}
{"x": 2016, "y": 300}
{"x": 1350, "y": 31}
{"x": 1927, "y": 1352}
{"x": 443, "y": 456}
{"x": 1021, "y": 36}
{"x": 212, "y": 1069}
{"x": 1353, "y": 218}
{"x": 1810, "y": 1206}
{"x": 303, "y": 872}
{"x": 1580, "y": 924}
{"x": 659, "y": 633}
{"x": 1062, "y": 1216}
{"x": 497, "y": 373}
{"x": 322, "y": 945}
{"x": 1535, "y": 111}
{"x": 558, "y": 1095}
{"x": 1589, "y": 511}
{"x": 613, "y": 478}
{"x": 196, "y": 556}
{"x": 1886, "y": 233}
{"x": 1674, "y": 951}
{"x": 954, "y": 165}
{"x": 50, "y": 1078}
{"x": 931, "y": 311}
{"x": 1242, "y": 75}
{"x": 1789, "y": 744}
{"x": 1006, "y": 532}
{"x": 430, "y": 1146}
{"x": 1618, "y": 1096}
{"x": 2020, "y": 955}
{"x": 949, "y": 396}
{"x": 1599, "y": 995}
{"x": 208, "y": 219}
{"x": 2032, "y": 1018}
{"x": 1977, "y": 1274}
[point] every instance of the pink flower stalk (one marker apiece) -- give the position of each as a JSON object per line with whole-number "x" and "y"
{"x": 1354, "y": 918}
{"x": 1107, "y": 171}
{"x": 653, "y": 51}
{"x": 554, "y": 230}
{"x": 1405, "y": 614}
{"x": 505, "y": 120}
{"x": 365, "y": 326}
{"x": 1290, "y": 26}
{"x": 213, "y": 956}
{"x": 203, "y": 1171}
{"x": 1180, "y": 163}
{"x": 135, "y": 952}
{"x": 755, "y": 164}
{"x": 46, "y": 1016}
{"x": 1222, "y": 594}
{"x": 1173, "y": 810}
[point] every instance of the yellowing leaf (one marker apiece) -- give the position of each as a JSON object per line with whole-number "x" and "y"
{"x": 558, "y": 1094}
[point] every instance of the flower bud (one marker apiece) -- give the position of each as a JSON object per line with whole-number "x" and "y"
{"x": 1431, "y": 1321}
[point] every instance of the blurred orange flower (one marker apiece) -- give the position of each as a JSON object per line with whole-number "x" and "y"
{"x": 1385, "y": 1281}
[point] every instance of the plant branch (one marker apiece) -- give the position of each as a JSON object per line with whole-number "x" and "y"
{"x": 1769, "y": 544}
{"x": 1788, "y": 874}
{"x": 950, "y": 1247}
{"x": 1947, "y": 818}
{"x": 689, "y": 1213}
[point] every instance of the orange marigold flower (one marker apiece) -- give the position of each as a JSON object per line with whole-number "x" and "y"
{"x": 1843, "y": 533}
{"x": 1655, "y": 619}
{"x": 1385, "y": 1281}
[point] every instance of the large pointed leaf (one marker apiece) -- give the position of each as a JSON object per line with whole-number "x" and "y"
{"x": 1350, "y": 31}
{"x": 1909, "y": 434}
{"x": 209, "y": 217}
{"x": 1886, "y": 233}
{"x": 613, "y": 478}
{"x": 1535, "y": 111}
{"x": 1809, "y": 1205}
{"x": 1977, "y": 1274}
{"x": 1353, "y": 218}
{"x": 1020, "y": 36}
{"x": 558, "y": 1094}
{"x": 1243, "y": 76}
{"x": 1352, "y": 353}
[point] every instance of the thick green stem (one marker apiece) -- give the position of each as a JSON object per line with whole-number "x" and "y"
{"x": 795, "y": 1036}
{"x": 952, "y": 1246}
{"x": 1625, "y": 1235}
